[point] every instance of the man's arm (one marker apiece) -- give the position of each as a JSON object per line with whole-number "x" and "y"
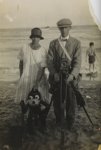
{"x": 50, "y": 59}
{"x": 50, "y": 63}
{"x": 87, "y": 55}
{"x": 21, "y": 67}
{"x": 76, "y": 63}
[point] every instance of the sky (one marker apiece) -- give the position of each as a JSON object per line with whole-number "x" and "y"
{"x": 29, "y": 13}
{"x": 95, "y": 9}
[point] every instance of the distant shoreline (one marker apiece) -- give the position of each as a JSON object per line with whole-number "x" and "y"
{"x": 46, "y": 27}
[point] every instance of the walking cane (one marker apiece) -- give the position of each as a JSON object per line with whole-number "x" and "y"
{"x": 88, "y": 116}
{"x": 81, "y": 101}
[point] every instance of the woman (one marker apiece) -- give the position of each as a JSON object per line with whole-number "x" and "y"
{"x": 32, "y": 67}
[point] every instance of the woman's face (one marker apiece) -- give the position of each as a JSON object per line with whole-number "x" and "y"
{"x": 35, "y": 40}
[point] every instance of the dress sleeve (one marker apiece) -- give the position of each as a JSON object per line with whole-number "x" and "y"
{"x": 21, "y": 54}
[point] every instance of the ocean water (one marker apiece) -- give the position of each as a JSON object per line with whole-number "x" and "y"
{"x": 11, "y": 41}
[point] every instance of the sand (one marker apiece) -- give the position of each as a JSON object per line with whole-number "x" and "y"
{"x": 81, "y": 137}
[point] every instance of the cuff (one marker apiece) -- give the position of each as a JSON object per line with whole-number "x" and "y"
{"x": 73, "y": 75}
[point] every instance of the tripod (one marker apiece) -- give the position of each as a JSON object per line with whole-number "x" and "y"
{"x": 62, "y": 109}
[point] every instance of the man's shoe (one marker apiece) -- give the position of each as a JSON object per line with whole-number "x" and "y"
{"x": 70, "y": 123}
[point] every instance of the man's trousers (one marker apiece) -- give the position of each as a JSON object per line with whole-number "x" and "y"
{"x": 64, "y": 98}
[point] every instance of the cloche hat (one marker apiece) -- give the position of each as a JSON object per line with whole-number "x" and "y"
{"x": 36, "y": 32}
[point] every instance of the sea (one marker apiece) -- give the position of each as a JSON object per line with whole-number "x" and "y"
{"x": 11, "y": 41}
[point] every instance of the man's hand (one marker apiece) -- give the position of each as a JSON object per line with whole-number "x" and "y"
{"x": 56, "y": 77}
{"x": 69, "y": 79}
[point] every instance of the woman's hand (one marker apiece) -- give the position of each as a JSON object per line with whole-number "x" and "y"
{"x": 46, "y": 72}
{"x": 21, "y": 67}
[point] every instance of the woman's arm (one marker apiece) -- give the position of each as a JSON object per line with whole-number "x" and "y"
{"x": 40, "y": 74}
{"x": 21, "y": 67}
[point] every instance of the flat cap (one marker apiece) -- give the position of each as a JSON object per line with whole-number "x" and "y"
{"x": 64, "y": 22}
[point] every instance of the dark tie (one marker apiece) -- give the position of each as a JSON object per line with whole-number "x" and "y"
{"x": 64, "y": 40}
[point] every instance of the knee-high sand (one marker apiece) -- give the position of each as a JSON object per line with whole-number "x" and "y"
{"x": 81, "y": 137}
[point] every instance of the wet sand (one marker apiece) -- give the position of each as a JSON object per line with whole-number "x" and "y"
{"x": 80, "y": 137}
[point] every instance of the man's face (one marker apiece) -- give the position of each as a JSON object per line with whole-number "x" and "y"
{"x": 64, "y": 31}
{"x": 92, "y": 46}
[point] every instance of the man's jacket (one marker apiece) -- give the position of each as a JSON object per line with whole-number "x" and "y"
{"x": 56, "y": 54}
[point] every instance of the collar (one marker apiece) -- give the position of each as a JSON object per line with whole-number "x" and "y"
{"x": 64, "y": 38}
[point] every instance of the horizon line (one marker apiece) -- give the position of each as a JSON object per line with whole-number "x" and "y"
{"x": 44, "y": 27}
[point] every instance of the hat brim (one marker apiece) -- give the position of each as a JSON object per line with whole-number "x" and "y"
{"x": 64, "y": 26}
{"x": 32, "y": 36}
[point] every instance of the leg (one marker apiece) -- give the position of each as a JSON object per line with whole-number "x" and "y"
{"x": 36, "y": 120}
{"x": 58, "y": 101}
{"x": 30, "y": 122}
{"x": 93, "y": 67}
{"x": 56, "y": 105}
{"x": 90, "y": 75}
{"x": 70, "y": 106}
{"x": 89, "y": 67}
{"x": 42, "y": 119}
{"x": 24, "y": 107}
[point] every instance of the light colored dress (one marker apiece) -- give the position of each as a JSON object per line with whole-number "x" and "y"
{"x": 33, "y": 62}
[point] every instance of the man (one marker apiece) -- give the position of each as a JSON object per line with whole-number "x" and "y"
{"x": 64, "y": 49}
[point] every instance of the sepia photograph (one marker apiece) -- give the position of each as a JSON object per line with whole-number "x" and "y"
{"x": 50, "y": 75}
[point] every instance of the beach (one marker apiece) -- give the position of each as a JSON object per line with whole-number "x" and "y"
{"x": 80, "y": 138}
{"x": 13, "y": 134}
